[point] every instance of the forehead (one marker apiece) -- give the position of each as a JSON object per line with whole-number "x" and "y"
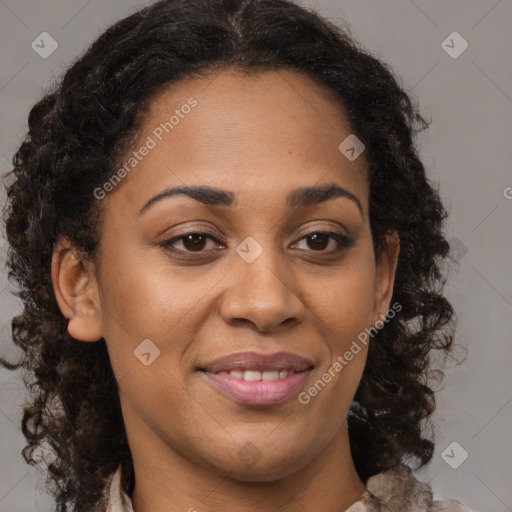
{"x": 264, "y": 132}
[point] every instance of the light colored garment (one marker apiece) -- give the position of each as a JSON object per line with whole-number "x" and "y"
{"x": 117, "y": 499}
{"x": 396, "y": 490}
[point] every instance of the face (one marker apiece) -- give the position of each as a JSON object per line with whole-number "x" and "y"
{"x": 250, "y": 263}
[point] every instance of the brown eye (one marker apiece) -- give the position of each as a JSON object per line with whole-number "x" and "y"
{"x": 319, "y": 241}
{"x": 191, "y": 242}
{"x": 194, "y": 242}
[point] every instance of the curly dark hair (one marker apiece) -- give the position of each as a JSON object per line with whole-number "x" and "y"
{"x": 76, "y": 136}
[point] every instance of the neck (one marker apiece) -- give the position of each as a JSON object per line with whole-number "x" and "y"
{"x": 168, "y": 481}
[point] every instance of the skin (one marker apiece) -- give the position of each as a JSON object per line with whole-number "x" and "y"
{"x": 259, "y": 137}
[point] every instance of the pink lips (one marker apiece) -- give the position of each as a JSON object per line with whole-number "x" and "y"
{"x": 258, "y": 392}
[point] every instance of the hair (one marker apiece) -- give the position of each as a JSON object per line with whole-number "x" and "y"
{"x": 76, "y": 136}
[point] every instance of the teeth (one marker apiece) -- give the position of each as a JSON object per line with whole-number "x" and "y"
{"x": 271, "y": 375}
{"x": 252, "y": 375}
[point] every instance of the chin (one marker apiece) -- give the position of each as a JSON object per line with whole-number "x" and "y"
{"x": 262, "y": 473}
{"x": 251, "y": 465}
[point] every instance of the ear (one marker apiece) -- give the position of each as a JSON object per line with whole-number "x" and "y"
{"x": 76, "y": 291}
{"x": 385, "y": 274}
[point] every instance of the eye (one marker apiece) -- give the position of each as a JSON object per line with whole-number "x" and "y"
{"x": 318, "y": 241}
{"x": 192, "y": 242}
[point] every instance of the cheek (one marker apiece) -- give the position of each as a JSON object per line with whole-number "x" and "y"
{"x": 154, "y": 400}
{"x": 151, "y": 325}
{"x": 346, "y": 303}
{"x": 147, "y": 321}
{"x": 345, "y": 311}
{"x": 146, "y": 301}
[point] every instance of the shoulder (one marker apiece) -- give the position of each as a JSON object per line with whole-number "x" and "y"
{"x": 398, "y": 489}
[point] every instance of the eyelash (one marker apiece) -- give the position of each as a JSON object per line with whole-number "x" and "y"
{"x": 344, "y": 242}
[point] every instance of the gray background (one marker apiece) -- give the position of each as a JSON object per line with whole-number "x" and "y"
{"x": 467, "y": 150}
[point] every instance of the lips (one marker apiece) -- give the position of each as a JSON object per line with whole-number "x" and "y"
{"x": 255, "y": 362}
{"x": 250, "y": 378}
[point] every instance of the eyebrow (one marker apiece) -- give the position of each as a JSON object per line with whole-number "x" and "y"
{"x": 296, "y": 199}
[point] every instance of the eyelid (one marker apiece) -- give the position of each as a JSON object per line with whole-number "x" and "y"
{"x": 203, "y": 230}
{"x": 178, "y": 233}
{"x": 312, "y": 228}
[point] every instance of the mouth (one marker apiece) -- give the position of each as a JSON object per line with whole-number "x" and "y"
{"x": 255, "y": 375}
{"x": 257, "y": 391}
{"x": 258, "y": 379}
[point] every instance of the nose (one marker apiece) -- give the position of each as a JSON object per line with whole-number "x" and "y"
{"x": 261, "y": 294}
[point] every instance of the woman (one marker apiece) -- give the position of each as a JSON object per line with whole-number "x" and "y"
{"x": 229, "y": 256}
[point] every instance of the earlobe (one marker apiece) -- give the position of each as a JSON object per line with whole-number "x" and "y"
{"x": 385, "y": 274}
{"x": 76, "y": 291}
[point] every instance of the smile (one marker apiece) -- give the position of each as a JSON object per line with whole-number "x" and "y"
{"x": 252, "y": 375}
{"x": 251, "y": 387}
